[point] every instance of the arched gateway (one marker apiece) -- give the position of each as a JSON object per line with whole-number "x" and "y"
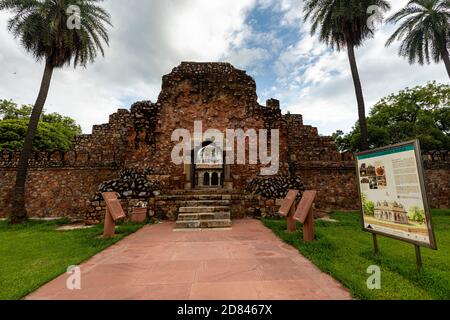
{"x": 208, "y": 166}
{"x": 218, "y": 96}
{"x": 208, "y": 190}
{"x": 221, "y": 98}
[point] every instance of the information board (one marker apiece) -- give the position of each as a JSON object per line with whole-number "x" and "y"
{"x": 393, "y": 195}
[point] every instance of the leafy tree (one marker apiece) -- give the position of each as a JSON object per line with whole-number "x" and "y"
{"x": 46, "y": 30}
{"x": 368, "y": 206}
{"x": 9, "y": 110}
{"x": 344, "y": 24}
{"x": 424, "y": 31}
{"x": 49, "y": 137}
{"x": 417, "y": 215}
{"x": 55, "y": 132}
{"x": 421, "y": 113}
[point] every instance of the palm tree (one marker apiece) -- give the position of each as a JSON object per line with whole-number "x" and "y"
{"x": 424, "y": 31}
{"x": 344, "y": 24}
{"x": 46, "y": 29}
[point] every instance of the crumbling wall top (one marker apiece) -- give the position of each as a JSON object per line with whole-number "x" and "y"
{"x": 190, "y": 69}
{"x": 209, "y": 79}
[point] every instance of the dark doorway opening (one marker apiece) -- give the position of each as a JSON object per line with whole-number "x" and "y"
{"x": 207, "y": 172}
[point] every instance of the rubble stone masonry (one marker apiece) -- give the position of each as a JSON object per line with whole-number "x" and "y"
{"x": 65, "y": 183}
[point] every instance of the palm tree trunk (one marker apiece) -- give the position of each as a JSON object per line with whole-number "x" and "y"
{"x": 19, "y": 213}
{"x": 359, "y": 97}
{"x": 445, "y": 57}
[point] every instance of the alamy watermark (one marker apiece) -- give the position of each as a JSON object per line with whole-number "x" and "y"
{"x": 375, "y": 18}
{"x": 229, "y": 147}
{"x": 74, "y": 17}
{"x": 73, "y": 282}
{"x": 374, "y": 281}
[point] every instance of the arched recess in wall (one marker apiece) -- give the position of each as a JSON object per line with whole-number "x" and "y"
{"x": 70, "y": 158}
{"x": 215, "y": 179}
{"x": 83, "y": 158}
{"x": 56, "y": 158}
{"x": 206, "y": 179}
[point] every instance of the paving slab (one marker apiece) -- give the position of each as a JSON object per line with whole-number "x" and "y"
{"x": 247, "y": 262}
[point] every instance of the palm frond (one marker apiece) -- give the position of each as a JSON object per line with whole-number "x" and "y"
{"x": 41, "y": 27}
{"x": 424, "y": 30}
{"x": 341, "y": 22}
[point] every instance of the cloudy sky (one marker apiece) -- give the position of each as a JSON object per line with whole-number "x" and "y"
{"x": 265, "y": 37}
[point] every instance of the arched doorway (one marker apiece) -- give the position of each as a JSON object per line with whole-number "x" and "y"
{"x": 208, "y": 166}
{"x": 206, "y": 179}
{"x": 215, "y": 179}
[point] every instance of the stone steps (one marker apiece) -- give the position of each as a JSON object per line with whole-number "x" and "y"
{"x": 204, "y": 216}
{"x": 195, "y": 197}
{"x": 203, "y": 209}
{"x": 200, "y": 209}
{"x": 216, "y": 191}
{"x": 203, "y": 224}
{"x": 205, "y": 203}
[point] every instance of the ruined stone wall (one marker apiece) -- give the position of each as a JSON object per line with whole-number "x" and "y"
{"x": 306, "y": 145}
{"x": 336, "y": 186}
{"x": 61, "y": 184}
{"x": 107, "y": 140}
{"x": 337, "y": 181}
{"x": 316, "y": 159}
{"x": 438, "y": 187}
{"x": 220, "y": 96}
{"x": 55, "y": 192}
{"x": 437, "y": 175}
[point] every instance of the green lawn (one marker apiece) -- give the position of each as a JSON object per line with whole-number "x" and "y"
{"x": 345, "y": 252}
{"x": 35, "y": 253}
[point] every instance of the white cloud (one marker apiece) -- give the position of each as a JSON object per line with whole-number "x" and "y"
{"x": 149, "y": 38}
{"x": 247, "y": 57}
{"x": 326, "y": 95}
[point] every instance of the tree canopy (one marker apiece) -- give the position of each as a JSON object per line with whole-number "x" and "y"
{"x": 344, "y": 24}
{"x": 421, "y": 113}
{"x": 55, "y": 132}
{"x": 45, "y": 29}
{"x": 59, "y": 32}
{"x": 424, "y": 31}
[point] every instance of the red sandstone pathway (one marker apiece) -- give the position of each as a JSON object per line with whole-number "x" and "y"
{"x": 246, "y": 263}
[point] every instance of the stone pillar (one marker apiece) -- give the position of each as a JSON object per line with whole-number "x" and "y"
{"x": 188, "y": 172}
{"x": 228, "y": 181}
